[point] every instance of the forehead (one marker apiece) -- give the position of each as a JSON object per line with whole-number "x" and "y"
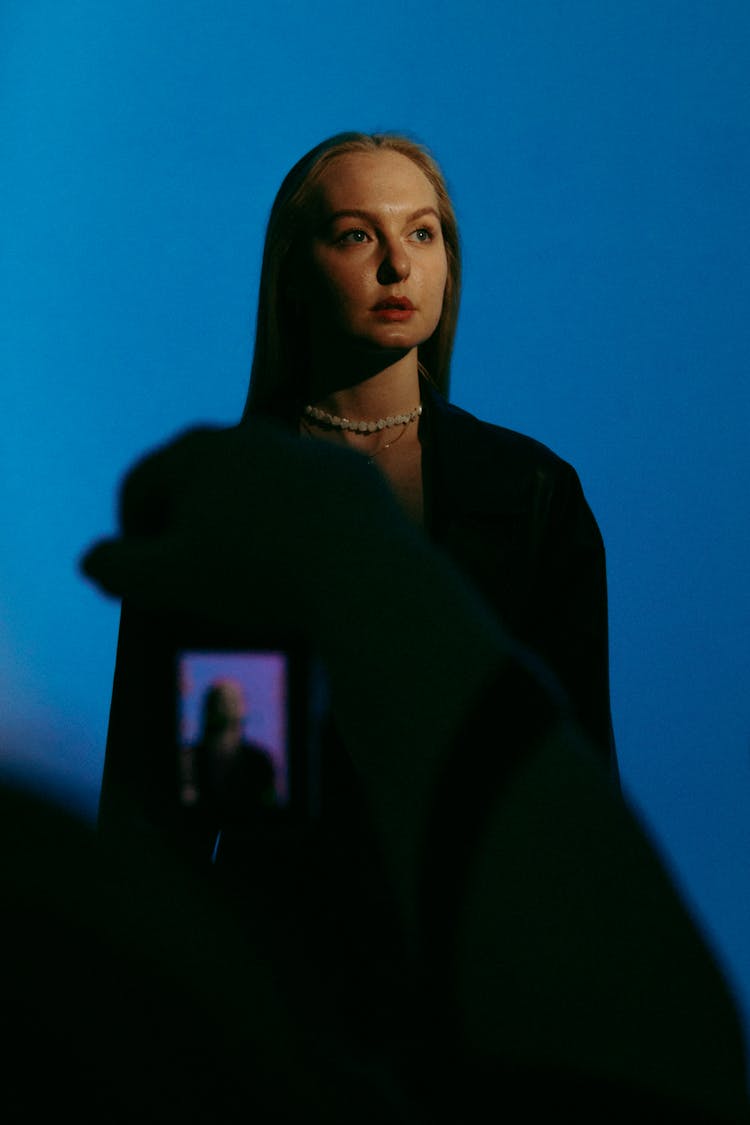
{"x": 374, "y": 181}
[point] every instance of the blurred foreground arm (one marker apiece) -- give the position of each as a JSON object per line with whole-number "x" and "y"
{"x": 559, "y": 942}
{"x": 250, "y": 526}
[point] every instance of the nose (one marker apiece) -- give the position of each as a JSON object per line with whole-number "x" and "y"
{"x": 395, "y": 264}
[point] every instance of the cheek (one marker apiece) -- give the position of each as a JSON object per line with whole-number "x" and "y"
{"x": 437, "y": 287}
{"x": 437, "y": 274}
{"x": 335, "y": 285}
{"x": 334, "y": 301}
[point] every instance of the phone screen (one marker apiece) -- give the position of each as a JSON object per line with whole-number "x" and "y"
{"x": 246, "y": 731}
{"x": 234, "y": 728}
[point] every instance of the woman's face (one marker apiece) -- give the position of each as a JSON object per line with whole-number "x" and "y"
{"x": 378, "y": 262}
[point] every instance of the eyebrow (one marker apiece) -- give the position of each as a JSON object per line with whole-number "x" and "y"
{"x": 357, "y": 213}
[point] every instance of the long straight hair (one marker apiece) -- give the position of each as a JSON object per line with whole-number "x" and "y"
{"x": 281, "y": 356}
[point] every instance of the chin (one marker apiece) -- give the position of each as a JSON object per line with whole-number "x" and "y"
{"x": 398, "y": 336}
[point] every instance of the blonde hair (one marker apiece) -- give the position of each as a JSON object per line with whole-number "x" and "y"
{"x": 280, "y": 360}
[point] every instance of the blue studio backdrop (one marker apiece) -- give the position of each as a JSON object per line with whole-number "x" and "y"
{"x": 597, "y": 152}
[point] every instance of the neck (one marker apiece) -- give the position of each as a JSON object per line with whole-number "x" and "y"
{"x": 367, "y": 393}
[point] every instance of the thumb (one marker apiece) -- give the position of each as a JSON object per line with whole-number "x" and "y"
{"x": 135, "y": 568}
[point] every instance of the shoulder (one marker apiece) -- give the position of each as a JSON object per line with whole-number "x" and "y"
{"x": 499, "y": 440}
{"x": 493, "y": 461}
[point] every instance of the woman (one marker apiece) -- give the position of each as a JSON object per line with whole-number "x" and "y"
{"x": 357, "y": 312}
{"x": 358, "y": 306}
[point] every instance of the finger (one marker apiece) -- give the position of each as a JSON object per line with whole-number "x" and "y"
{"x": 163, "y": 575}
{"x": 142, "y": 570}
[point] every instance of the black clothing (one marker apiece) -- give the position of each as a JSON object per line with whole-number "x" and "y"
{"x": 513, "y": 517}
{"x": 585, "y": 901}
{"x": 231, "y": 784}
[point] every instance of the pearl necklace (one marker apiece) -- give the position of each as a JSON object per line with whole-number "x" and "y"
{"x": 322, "y": 418}
{"x": 369, "y": 456}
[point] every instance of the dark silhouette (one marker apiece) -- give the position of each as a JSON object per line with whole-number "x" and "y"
{"x": 544, "y": 957}
{"x": 224, "y": 773}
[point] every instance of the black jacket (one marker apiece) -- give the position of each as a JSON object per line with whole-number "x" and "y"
{"x": 513, "y": 517}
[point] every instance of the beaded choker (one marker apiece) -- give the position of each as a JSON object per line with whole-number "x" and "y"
{"x": 322, "y": 418}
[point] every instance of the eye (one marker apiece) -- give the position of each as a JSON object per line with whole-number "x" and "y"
{"x": 354, "y": 237}
{"x": 422, "y": 234}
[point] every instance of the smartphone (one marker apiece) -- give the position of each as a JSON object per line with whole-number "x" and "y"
{"x": 247, "y": 722}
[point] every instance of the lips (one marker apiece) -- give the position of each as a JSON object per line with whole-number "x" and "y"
{"x": 402, "y": 304}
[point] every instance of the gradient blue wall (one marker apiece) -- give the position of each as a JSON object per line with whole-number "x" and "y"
{"x": 598, "y": 155}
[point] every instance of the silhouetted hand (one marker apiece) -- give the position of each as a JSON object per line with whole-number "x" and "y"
{"x": 247, "y": 524}
{"x": 573, "y": 948}
{"x": 257, "y": 528}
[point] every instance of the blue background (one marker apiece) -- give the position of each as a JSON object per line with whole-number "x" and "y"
{"x": 597, "y": 151}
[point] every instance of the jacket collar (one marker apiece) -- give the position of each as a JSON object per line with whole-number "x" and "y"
{"x": 476, "y": 467}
